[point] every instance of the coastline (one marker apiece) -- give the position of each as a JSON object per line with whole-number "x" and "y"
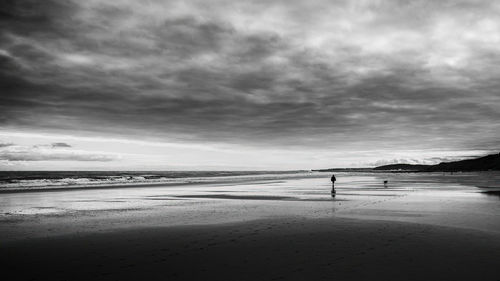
{"x": 187, "y": 181}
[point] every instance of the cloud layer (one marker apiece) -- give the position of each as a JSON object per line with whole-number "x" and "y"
{"x": 15, "y": 153}
{"x": 333, "y": 74}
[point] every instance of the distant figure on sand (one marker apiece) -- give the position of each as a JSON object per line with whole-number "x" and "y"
{"x": 333, "y": 179}
{"x": 385, "y": 183}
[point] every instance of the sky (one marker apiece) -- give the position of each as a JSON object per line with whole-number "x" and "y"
{"x": 242, "y": 85}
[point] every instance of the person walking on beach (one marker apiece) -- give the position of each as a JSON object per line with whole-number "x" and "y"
{"x": 333, "y": 179}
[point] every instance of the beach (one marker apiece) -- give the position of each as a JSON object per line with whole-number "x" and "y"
{"x": 249, "y": 140}
{"x": 420, "y": 227}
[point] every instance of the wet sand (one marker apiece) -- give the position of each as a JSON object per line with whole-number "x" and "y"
{"x": 286, "y": 230}
{"x": 285, "y": 249}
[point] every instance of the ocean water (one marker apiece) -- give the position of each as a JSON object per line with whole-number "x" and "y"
{"x": 69, "y": 179}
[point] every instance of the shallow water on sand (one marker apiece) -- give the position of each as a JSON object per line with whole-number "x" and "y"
{"x": 465, "y": 200}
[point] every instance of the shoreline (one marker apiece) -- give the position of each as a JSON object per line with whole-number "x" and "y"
{"x": 145, "y": 184}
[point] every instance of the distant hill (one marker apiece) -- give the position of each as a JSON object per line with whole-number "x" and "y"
{"x": 403, "y": 167}
{"x": 489, "y": 162}
{"x": 485, "y": 163}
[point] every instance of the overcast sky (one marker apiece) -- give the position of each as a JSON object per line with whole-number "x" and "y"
{"x": 129, "y": 84}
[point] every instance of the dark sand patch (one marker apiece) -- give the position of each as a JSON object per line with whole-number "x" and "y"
{"x": 492, "y": 193}
{"x": 365, "y": 194}
{"x": 243, "y": 197}
{"x": 258, "y": 197}
{"x": 10, "y": 220}
{"x": 96, "y": 200}
{"x": 327, "y": 199}
{"x": 114, "y": 210}
{"x": 286, "y": 249}
{"x": 386, "y": 213}
{"x": 252, "y": 181}
{"x": 163, "y": 199}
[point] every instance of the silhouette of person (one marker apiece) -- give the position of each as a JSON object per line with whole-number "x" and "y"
{"x": 333, "y": 179}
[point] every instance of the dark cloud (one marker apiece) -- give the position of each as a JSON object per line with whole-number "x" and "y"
{"x": 392, "y": 73}
{"x": 31, "y": 17}
{"x": 60, "y": 144}
{"x": 6, "y": 144}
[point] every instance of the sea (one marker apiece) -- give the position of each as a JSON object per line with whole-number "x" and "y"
{"x": 20, "y": 180}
